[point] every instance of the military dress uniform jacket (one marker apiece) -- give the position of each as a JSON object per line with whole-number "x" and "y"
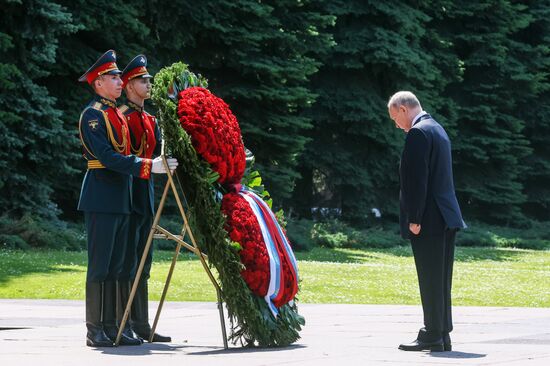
{"x": 105, "y": 139}
{"x": 146, "y": 143}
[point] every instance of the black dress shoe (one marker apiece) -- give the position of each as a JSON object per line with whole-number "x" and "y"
{"x": 417, "y": 345}
{"x": 140, "y": 314}
{"x": 97, "y": 338}
{"x": 157, "y": 338}
{"x": 125, "y": 340}
{"x": 160, "y": 338}
{"x": 447, "y": 346}
{"x": 130, "y": 334}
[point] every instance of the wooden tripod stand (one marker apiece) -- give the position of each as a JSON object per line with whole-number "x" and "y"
{"x": 160, "y": 233}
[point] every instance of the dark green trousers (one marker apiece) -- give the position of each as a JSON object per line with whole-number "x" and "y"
{"x": 138, "y": 232}
{"x": 107, "y": 239}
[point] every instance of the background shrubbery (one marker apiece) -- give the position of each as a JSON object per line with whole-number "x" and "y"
{"x": 33, "y": 232}
{"x": 537, "y": 236}
{"x": 306, "y": 234}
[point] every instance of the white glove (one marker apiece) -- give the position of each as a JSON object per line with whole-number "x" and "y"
{"x": 158, "y": 165}
{"x": 172, "y": 164}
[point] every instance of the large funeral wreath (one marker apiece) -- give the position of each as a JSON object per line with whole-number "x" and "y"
{"x": 229, "y": 211}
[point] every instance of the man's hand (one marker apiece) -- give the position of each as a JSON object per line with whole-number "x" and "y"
{"x": 414, "y": 228}
{"x": 158, "y": 165}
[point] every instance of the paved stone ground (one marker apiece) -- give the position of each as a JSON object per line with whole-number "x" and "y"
{"x": 52, "y": 332}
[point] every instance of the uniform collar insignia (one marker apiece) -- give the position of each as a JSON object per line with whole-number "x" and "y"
{"x": 106, "y": 102}
{"x": 135, "y": 106}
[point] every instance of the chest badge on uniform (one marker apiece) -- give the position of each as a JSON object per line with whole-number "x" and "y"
{"x": 93, "y": 124}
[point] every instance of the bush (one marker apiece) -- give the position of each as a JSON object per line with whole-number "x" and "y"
{"x": 174, "y": 224}
{"x": 536, "y": 236}
{"x": 337, "y": 234}
{"x": 382, "y": 238}
{"x": 32, "y": 232}
{"x": 306, "y": 234}
{"x": 334, "y": 234}
{"x": 13, "y": 242}
{"x": 299, "y": 234}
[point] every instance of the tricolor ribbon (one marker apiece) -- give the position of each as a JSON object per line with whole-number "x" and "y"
{"x": 282, "y": 263}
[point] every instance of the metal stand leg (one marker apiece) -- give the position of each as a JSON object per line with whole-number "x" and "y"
{"x": 164, "y": 291}
{"x": 222, "y": 318}
{"x": 141, "y": 265}
{"x": 193, "y": 247}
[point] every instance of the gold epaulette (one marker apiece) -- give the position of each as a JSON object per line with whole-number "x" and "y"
{"x": 120, "y": 148}
{"x": 95, "y": 164}
{"x": 123, "y": 108}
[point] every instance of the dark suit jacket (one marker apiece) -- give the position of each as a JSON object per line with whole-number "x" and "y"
{"x": 427, "y": 196}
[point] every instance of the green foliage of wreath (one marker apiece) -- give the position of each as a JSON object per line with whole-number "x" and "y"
{"x": 252, "y": 323}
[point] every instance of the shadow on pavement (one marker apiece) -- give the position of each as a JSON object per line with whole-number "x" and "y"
{"x": 143, "y": 350}
{"x": 235, "y": 350}
{"x": 457, "y": 354}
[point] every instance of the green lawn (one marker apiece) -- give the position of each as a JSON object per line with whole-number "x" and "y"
{"x": 483, "y": 276}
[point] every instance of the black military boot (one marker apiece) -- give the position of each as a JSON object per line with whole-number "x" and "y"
{"x": 109, "y": 316}
{"x": 140, "y": 314}
{"x": 95, "y": 337}
{"x": 123, "y": 294}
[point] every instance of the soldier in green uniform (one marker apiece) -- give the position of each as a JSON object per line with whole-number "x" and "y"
{"x": 105, "y": 197}
{"x": 145, "y": 143}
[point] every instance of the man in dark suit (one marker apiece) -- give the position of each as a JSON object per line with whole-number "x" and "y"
{"x": 429, "y": 216}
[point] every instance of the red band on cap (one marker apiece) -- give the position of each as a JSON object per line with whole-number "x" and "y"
{"x": 138, "y": 71}
{"x": 100, "y": 70}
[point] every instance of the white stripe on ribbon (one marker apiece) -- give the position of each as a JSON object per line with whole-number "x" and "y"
{"x": 282, "y": 235}
{"x": 274, "y": 262}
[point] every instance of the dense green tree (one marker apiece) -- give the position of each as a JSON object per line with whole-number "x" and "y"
{"x": 258, "y": 57}
{"x": 490, "y": 145}
{"x": 260, "y": 64}
{"x": 37, "y": 148}
{"x": 382, "y": 47}
{"x": 481, "y": 68}
{"x": 534, "y": 109}
{"x": 112, "y": 24}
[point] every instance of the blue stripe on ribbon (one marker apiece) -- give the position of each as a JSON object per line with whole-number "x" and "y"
{"x": 288, "y": 248}
{"x": 275, "y": 264}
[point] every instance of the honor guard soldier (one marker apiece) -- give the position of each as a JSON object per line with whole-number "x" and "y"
{"x": 145, "y": 143}
{"x": 105, "y": 197}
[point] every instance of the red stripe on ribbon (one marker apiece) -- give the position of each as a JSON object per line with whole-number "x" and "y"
{"x": 288, "y": 275}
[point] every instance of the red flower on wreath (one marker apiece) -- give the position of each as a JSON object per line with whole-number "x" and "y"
{"x": 216, "y": 136}
{"x": 215, "y": 132}
{"x": 242, "y": 227}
